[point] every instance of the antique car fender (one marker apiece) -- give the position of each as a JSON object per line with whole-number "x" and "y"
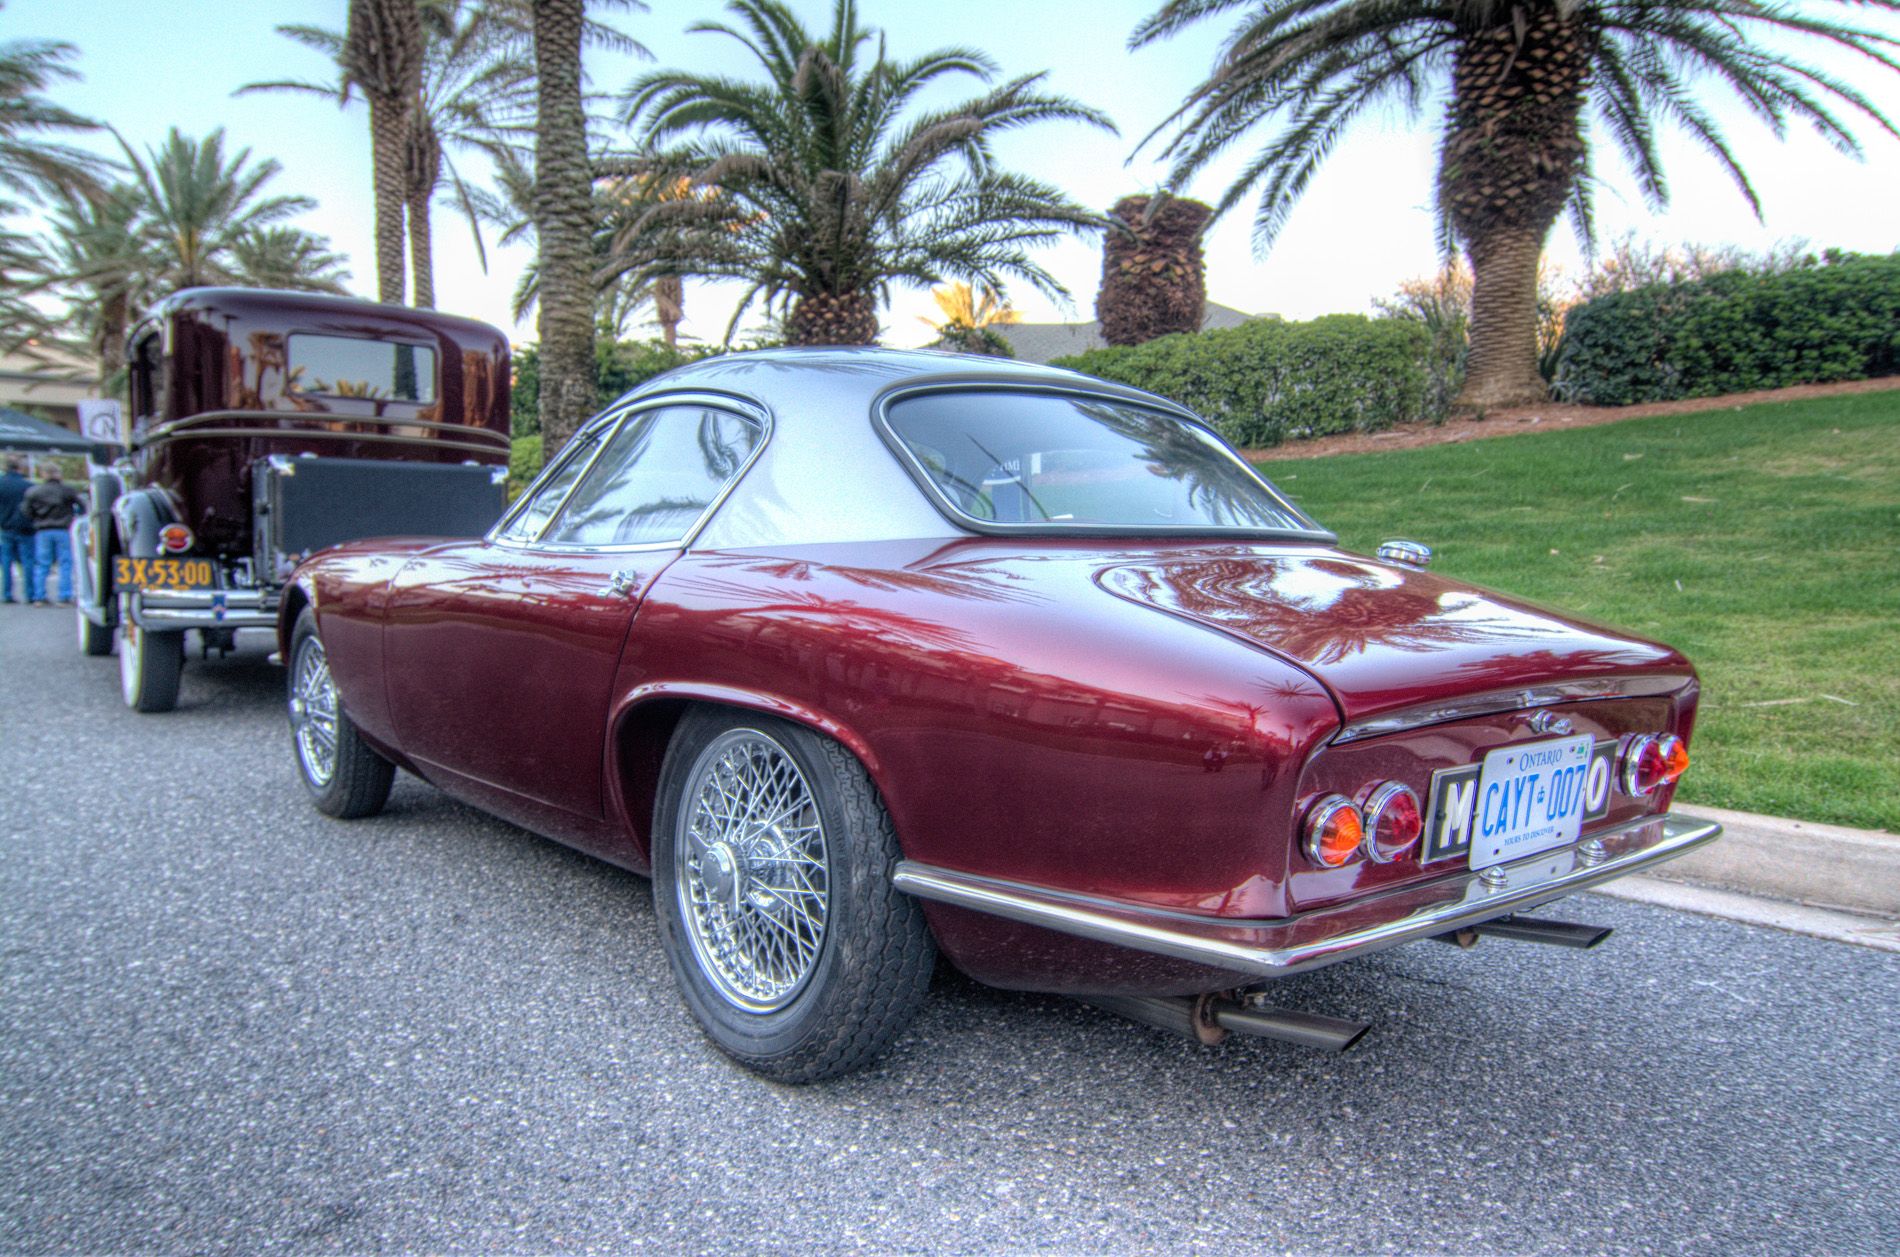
{"x": 94, "y": 545}
{"x": 137, "y": 517}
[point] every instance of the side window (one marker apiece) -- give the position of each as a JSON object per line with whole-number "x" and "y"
{"x": 550, "y": 490}
{"x": 148, "y": 377}
{"x": 657, "y": 477}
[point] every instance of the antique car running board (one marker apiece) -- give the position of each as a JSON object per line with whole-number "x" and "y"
{"x": 1282, "y": 946}
{"x": 1209, "y": 1019}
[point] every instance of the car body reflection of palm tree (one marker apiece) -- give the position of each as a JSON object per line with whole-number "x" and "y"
{"x": 1323, "y": 611}
{"x": 1216, "y": 483}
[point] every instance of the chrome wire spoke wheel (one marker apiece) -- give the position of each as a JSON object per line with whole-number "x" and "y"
{"x": 753, "y": 876}
{"x": 313, "y": 713}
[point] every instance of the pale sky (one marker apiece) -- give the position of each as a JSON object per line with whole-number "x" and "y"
{"x": 1364, "y": 226}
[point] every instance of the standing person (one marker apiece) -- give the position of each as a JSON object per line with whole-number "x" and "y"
{"x": 50, "y": 504}
{"x": 16, "y": 532}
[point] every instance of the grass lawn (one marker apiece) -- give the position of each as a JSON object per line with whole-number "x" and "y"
{"x": 1762, "y": 542}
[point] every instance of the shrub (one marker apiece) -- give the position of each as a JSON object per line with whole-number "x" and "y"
{"x": 524, "y": 463}
{"x": 1735, "y": 332}
{"x": 1266, "y": 382}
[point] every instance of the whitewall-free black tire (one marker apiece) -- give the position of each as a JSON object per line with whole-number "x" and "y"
{"x": 345, "y": 778}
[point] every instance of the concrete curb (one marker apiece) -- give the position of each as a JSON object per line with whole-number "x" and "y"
{"x": 1839, "y": 927}
{"x": 1825, "y": 866}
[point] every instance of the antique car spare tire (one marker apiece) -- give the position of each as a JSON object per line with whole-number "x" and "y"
{"x": 149, "y": 665}
{"x": 772, "y": 861}
{"x": 346, "y": 779}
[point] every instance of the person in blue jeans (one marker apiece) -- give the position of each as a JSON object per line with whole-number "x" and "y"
{"x": 16, "y": 532}
{"x": 51, "y": 504}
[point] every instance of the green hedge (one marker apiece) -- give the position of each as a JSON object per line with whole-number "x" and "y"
{"x": 1266, "y": 382}
{"x": 618, "y": 367}
{"x": 1735, "y": 332}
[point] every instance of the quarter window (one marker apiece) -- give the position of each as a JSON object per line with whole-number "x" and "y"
{"x": 658, "y": 475}
{"x": 551, "y": 488}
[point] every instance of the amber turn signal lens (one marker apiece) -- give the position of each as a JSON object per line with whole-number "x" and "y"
{"x": 174, "y": 538}
{"x": 1652, "y": 761}
{"x": 1393, "y": 823}
{"x": 1334, "y": 831}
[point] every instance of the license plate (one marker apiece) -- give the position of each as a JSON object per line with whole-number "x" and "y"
{"x": 181, "y": 575}
{"x": 1531, "y": 797}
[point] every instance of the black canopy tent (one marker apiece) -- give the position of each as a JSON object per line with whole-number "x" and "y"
{"x": 23, "y": 434}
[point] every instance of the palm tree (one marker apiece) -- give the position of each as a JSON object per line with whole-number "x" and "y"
{"x": 1528, "y": 81}
{"x": 473, "y": 90}
{"x": 98, "y": 250}
{"x": 828, "y": 194}
{"x": 196, "y": 207}
{"x": 29, "y": 163}
{"x": 288, "y": 257}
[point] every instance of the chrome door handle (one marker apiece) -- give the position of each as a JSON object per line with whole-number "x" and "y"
{"x": 621, "y": 583}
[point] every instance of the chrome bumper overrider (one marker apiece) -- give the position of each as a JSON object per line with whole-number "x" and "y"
{"x": 212, "y": 608}
{"x": 1324, "y": 936}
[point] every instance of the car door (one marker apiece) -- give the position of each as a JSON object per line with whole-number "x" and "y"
{"x": 500, "y": 653}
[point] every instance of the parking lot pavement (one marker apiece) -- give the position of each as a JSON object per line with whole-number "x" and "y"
{"x": 229, "y": 1024}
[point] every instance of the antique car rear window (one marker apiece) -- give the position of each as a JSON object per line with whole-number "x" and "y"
{"x": 348, "y": 366}
{"x": 1040, "y": 462}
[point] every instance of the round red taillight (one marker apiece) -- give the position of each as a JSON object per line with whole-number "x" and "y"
{"x": 1393, "y": 822}
{"x": 174, "y": 538}
{"x": 1652, "y": 761}
{"x": 1334, "y": 831}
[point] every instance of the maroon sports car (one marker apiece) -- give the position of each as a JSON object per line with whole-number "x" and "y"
{"x": 868, "y": 655}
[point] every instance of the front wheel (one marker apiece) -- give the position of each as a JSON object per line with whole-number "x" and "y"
{"x": 94, "y": 639}
{"x": 149, "y": 665}
{"x": 772, "y": 862}
{"x": 345, "y": 778}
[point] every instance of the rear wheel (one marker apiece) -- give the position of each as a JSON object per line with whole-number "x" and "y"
{"x": 93, "y": 639}
{"x": 149, "y": 666}
{"x": 772, "y": 861}
{"x": 346, "y": 779}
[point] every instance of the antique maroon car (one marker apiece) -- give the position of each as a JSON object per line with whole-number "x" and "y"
{"x": 867, "y": 655}
{"x": 265, "y": 426}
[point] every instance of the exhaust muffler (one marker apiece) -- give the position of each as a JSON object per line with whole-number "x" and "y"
{"x": 1210, "y": 1018}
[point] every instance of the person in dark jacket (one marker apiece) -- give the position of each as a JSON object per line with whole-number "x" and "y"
{"x": 51, "y": 504}
{"x": 16, "y": 532}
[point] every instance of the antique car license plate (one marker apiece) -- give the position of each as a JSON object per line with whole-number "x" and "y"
{"x": 183, "y": 575}
{"x": 1531, "y": 797}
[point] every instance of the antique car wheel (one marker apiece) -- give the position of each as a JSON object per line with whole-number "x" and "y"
{"x": 772, "y": 860}
{"x": 346, "y": 779}
{"x": 93, "y": 639}
{"x": 149, "y": 664}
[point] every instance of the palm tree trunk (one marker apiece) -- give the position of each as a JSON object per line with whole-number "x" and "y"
{"x": 669, "y": 305}
{"x": 387, "y": 123}
{"x": 421, "y": 260}
{"x": 564, "y": 224}
{"x": 1501, "y": 366}
{"x": 843, "y": 318}
{"x": 1513, "y": 149}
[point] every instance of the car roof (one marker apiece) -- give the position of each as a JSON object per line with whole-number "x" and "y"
{"x": 826, "y": 475}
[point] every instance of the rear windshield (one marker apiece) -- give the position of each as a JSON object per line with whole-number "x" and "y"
{"x": 348, "y": 366}
{"x": 1004, "y": 461}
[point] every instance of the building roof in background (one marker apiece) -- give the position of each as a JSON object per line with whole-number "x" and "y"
{"x": 1044, "y": 342}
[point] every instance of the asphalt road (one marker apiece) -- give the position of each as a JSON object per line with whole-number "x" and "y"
{"x": 229, "y": 1024}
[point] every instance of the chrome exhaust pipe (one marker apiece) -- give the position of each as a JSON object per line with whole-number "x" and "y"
{"x": 1556, "y": 933}
{"x": 1210, "y": 1018}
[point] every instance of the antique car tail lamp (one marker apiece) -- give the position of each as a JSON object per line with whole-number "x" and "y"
{"x": 174, "y": 539}
{"x": 1335, "y": 831}
{"x": 1651, "y": 761}
{"x": 1393, "y": 823}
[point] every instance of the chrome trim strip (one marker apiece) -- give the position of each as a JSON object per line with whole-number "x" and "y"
{"x": 1581, "y": 691}
{"x": 1324, "y": 936}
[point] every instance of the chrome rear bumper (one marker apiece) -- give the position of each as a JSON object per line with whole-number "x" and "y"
{"x": 1287, "y": 945}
